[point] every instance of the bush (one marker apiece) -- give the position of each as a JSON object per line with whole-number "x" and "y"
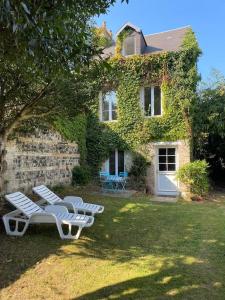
{"x": 195, "y": 175}
{"x": 81, "y": 175}
{"x": 138, "y": 172}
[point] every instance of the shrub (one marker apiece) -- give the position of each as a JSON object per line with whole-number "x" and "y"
{"x": 195, "y": 175}
{"x": 81, "y": 175}
{"x": 138, "y": 172}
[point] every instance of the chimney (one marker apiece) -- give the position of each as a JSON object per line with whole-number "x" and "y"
{"x": 104, "y": 24}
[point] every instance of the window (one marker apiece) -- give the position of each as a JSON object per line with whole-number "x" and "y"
{"x": 167, "y": 159}
{"x": 115, "y": 162}
{"x": 129, "y": 46}
{"x": 152, "y": 101}
{"x": 108, "y": 106}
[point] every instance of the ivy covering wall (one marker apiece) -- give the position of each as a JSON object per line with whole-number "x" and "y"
{"x": 175, "y": 72}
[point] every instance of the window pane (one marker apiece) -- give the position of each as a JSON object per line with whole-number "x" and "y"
{"x": 171, "y": 167}
{"x": 105, "y": 115}
{"x": 162, "y": 159}
{"x": 112, "y": 169}
{"x": 114, "y": 115}
{"x": 120, "y": 161}
{"x": 162, "y": 167}
{"x": 171, "y": 159}
{"x": 109, "y": 106}
{"x": 129, "y": 45}
{"x": 113, "y": 100}
{"x": 105, "y": 107}
{"x": 162, "y": 151}
{"x": 147, "y": 100}
{"x": 171, "y": 151}
{"x": 157, "y": 101}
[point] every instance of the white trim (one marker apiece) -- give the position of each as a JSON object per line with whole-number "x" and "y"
{"x": 100, "y": 105}
{"x": 156, "y": 162}
{"x": 128, "y": 24}
{"x": 142, "y": 101}
{"x": 110, "y": 108}
{"x": 152, "y": 101}
{"x": 106, "y": 164}
{"x": 167, "y": 143}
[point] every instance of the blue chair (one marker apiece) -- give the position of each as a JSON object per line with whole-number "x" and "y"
{"x": 124, "y": 175}
{"x": 103, "y": 174}
{"x": 103, "y": 179}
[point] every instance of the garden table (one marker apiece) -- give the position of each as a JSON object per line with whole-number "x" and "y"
{"x": 115, "y": 183}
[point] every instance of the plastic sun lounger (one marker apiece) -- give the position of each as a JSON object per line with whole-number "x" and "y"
{"x": 29, "y": 212}
{"x": 76, "y": 204}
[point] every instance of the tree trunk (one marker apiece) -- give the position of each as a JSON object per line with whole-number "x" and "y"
{"x": 3, "y": 163}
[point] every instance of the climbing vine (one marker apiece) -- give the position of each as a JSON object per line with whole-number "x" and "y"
{"x": 177, "y": 75}
{"x": 74, "y": 130}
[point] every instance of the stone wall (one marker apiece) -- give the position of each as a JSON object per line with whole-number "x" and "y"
{"x": 43, "y": 157}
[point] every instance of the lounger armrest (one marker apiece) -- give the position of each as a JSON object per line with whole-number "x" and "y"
{"x": 56, "y": 209}
{"x": 73, "y": 199}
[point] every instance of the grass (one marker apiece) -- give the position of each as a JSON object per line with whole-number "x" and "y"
{"x": 136, "y": 250}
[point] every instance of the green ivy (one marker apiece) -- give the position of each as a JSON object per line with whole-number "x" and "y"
{"x": 74, "y": 130}
{"x": 177, "y": 75}
{"x": 175, "y": 72}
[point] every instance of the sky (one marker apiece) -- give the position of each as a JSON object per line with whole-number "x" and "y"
{"x": 206, "y": 17}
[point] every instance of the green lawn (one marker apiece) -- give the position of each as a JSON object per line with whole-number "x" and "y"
{"x": 136, "y": 250}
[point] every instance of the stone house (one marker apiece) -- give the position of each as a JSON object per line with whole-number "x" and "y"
{"x": 167, "y": 152}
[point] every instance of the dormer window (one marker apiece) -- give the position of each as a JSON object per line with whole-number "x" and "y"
{"x": 129, "y": 46}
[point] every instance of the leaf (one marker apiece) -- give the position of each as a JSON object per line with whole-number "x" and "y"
{"x": 15, "y": 27}
{"x": 25, "y": 8}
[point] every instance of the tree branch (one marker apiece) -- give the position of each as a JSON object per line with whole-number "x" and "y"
{"x": 24, "y": 113}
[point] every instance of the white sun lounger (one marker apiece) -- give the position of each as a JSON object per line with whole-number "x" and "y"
{"x": 76, "y": 204}
{"x": 29, "y": 212}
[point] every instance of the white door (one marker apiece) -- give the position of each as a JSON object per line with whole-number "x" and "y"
{"x": 167, "y": 183}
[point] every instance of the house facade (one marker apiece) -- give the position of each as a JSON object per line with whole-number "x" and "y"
{"x": 143, "y": 106}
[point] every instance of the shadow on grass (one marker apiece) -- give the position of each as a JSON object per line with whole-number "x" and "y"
{"x": 168, "y": 283}
{"x": 187, "y": 245}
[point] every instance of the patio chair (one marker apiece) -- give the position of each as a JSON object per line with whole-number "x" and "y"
{"x": 72, "y": 203}
{"x": 124, "y": 175}
{"x": 29, "y": 212}
{"x": 103, "y": 180}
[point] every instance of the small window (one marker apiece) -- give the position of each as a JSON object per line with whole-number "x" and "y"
{"x": 152, "y": 101}
{"x": 129, "y": 45}
{"x": 167, "y": 159}
{"x": 108, "y": 106}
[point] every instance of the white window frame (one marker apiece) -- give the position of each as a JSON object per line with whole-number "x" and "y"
{"x": 142, "y": 96}
{"x": 101, "y": 111}
{"x": 167, "y": 163}
{"x": 106, "y": 163}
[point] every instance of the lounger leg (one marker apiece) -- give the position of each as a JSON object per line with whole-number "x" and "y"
{"x": 15, "y": 232}
{"x": 69, "y": 235}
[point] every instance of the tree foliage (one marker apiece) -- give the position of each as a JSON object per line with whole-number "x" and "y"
{"x": 209, "y": 126}
{"x": 51, "y": 31}
{"x": 43, "y": 45}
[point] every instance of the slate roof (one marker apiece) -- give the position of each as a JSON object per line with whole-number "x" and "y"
{"x": 170, "y": 40}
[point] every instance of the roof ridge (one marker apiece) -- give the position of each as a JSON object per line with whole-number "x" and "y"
{"x": 168, "y": 30}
